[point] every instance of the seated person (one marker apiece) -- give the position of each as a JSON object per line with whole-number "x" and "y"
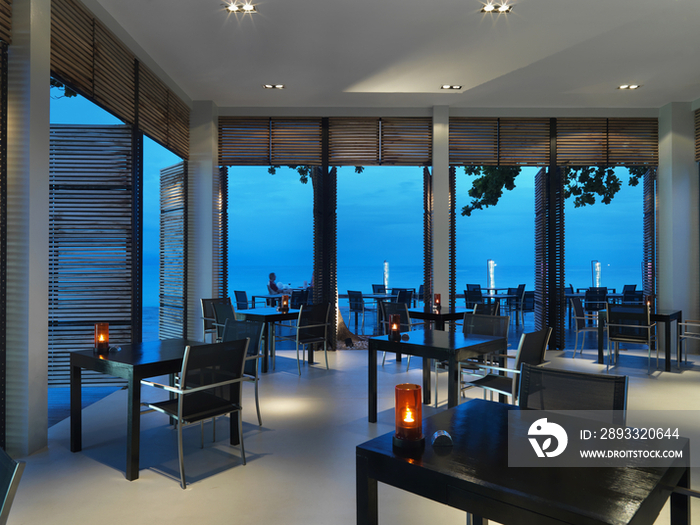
{"x": 276, "y": 287}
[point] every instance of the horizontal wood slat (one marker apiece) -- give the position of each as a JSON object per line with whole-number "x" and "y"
{"x": 354, "y": 141}
{"x": 244, "y": 141}
{"x": 296, "y": 142}
{"x": 90, "y": 240}
{"x": 6, "y": 21}
{"x": 114, "y": 84}
{"x": 473, "y": 141}
{"x": 406, "y": 141}
{"x": 72, "y": 44}
{"x": 633, "y": 142}
{"x": 524, "y": 142}
{"x": 697, "y": 135}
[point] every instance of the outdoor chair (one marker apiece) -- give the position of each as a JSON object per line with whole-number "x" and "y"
{"x": 378, "y": 289}
{"x": 299, "y": 298}
{"x": 10, "y": 474}
{"x": 630, "y": 324}
{"x": 209, "y": 316}
{"x": 531, "y": 350}
{"x": 404, "y": 296}
{"x": 222, "y": 311}
{"x": 545, "y": 388}
{"x": 583, "y": 322}
{"x": 209, "y": 386}
{"x": 358, "y": 306}
{"x": 420, "y": 296}
{"x": 241, "y": 300}
{"x": 487, "y": 308}
{"x": 527, "y": 304}
{"x": 687, "y": 330}
{"x": 253, "y": 330}
{"x": 311, "y": 328}
{"x": 633, "y": 297}
{"x": 472, "y": 295}
{"x": 406, "y": 325}
{"x": 595, "y": 299}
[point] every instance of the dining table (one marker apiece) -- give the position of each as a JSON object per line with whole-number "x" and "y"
{"x": 451, "y": 347}
{"x": 133, "y": 362}
{"x": 472, "y": 474}
{"x": 439, "y": 316}
{"x": 269, "y": 316}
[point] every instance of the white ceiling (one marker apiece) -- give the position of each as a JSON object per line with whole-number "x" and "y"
{"x": 397, "y": 53}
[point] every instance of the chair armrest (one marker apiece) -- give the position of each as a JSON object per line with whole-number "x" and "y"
{"x": 168, "y": 388}
{"x": 499, "y": 368}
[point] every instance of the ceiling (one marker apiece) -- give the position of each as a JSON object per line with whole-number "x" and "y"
{"x": 397, "y": 53}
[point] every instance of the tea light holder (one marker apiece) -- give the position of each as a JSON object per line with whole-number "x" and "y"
{"x": 408, "y": 417}
{"x": 102, "y": 338}
{"x": 436, "y": 302}
{"x": 284, "y": 303}
{"x": 395, "y": 330}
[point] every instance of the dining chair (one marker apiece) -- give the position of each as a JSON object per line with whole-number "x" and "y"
{"x": 222, "y": 311}
{"x": 406, "y": 325}
{"x": 473, "y": 295}
{"x": 209, "y": 386}
{"x": 298, "y": 298}
{"x": 595, "y": 299}
{"x": 403, "y": 295}
{"x": 628, "y": 323}
{"x": 583, "y": 322}
{"x": 546, "y": 388}
{"x": 487, "y": 308}
{"x": 253, "y": 330}
{"x": 209, "y": 315}
{"x": 358, "y": 306}
{"x": 311, "y": 328}
{"x": 378, "y": 289}
{"x": 10, "y": 474}
{"x": 241, "y": 300}
{"x": 527, "y": 304}
{"x": 531, "y": 350}
{"x": 688, "y": 329}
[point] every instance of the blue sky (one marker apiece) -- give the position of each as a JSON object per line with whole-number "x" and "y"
{"x": 380, "y": 218}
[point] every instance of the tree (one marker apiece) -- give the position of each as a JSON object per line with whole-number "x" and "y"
{"x": 67, "y": 92}
{"x": 583, "y": 183}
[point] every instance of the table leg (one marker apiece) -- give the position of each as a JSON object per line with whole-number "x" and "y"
{"x": 667, "y": 342}
{"x": 133, "y": 427}
{"x": 426, "y": 380}
{"x": 680, "y": 503}
{"x": 678, "y": 348}
{"x": 452, "y": 382}
{"x": 601, "y": 335}
{"x": 372, "y": 384}
{"x": 76, "y": 414}
{"x": 269, "y": 327}
{"x": 366, "y": 497}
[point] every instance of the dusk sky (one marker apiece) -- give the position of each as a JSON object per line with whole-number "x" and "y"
{"x": 380, "y": 218}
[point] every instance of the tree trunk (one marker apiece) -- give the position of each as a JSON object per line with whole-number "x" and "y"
{"x": 343, "y": 331}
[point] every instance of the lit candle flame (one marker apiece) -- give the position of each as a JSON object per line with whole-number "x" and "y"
{"x": 408, "y": 418}
{"x": 102, "y": 338}
{"x": 394, "y": 327}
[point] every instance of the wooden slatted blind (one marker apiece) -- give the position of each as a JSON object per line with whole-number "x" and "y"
{"x": 244, "y": 141}
{"x": 649, "y": 228}
{"x": 354, "y": 141}
{"x": 3, "y": 240}
{"x": 173, "y": 252}
{"x": 220, "y": 234}
{"x": 90, "y": 59}
{"x": 633, "y": 142}
{"x": 473, "y": 141}
{"x": 582, "y": 141}
{"x": 6, "y": 21}
{"x": 90, "y": 241}
{"x": 541, "y": 259}
{"x": 295, "y": 142}
{"x": 697, "y": 135}
{"x": 523, "y": 142}
{"x": 407, "y": 141}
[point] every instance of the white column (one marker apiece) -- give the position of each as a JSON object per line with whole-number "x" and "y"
{"x": 28, "y": 226}
{"x": 678, "y": 238}
{"x": 441, "y": 201}
{"x": 203, "y": 167}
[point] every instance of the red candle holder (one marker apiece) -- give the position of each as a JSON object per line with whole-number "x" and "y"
{"x": 436, "y": 302}
{"x": 395, "y": 330}
{"x": 102, "y": 338}
{"x": 284, "y": 303}
{"x": 408, "y": 417}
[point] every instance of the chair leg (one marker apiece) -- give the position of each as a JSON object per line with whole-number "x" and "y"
{"x": 408, "y": 364}
{"x": 383, "y": 358}
{"x": 180, "y": 455}
{"x": 325, "y": 352}
{"x": 240, "y": 435}
{"x": 298, "y": 364}
{"x": 257, "y": 401}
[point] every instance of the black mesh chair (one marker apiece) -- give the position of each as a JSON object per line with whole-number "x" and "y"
{"x": 209, "y": 316}
{"x": 545, "y": 388}
{"x": 531, "y": 350}
{"x": 241, "y": 300}
{"x": 583, "y": 322}
{"x": 222, "y": 312}
{"x": 473, "y": 295}
{"x": 487, "y": 308}
{"x": 311, "y": 328}
{"x": 253, "y": 330}
{"x": 627, "y": 323}
{"x": 378, "y": 288}
{"x": 400, "y": 309}
{"x": 10, "y": 474}
{"x": 358, "y": 306}
{"x": 595, "y": 299}
{"x": 404, "y": 295}
{"x": 633, "y": 297}
{"x": 299, "y": 298}
{"x": 209, "y": 386}
{"x": 527, "y": 304}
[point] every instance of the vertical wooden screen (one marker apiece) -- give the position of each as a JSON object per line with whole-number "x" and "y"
{"x": 427, "y": 234}
{"x": 6, "y": 21}
{"x": 3, "y": 239}
{"x": 452, "y": 237}
{"x": 541, "y": 259}
{"x": 173, "y": 252}
{"x": 90, "y": 241}
{"x": 649, "y": 257}
{"x": 220, "y": 234}
{"x": 697, "y": 135}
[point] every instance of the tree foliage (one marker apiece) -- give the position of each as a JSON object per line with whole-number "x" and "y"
{"x": 304, "y": 171}
{"x": 583, "y": 183}
{"x": 67, "y": 92}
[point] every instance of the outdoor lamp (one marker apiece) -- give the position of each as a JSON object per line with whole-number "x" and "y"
{"x": 408, "y": 417}
{"x": 102, "y": 338}
{"x": 285, "y": 303}
{"x": 395, "y": 332}
{"x": 436, "y": 302}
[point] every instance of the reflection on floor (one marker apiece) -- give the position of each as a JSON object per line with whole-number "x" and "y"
{"x": 301, "y": 462}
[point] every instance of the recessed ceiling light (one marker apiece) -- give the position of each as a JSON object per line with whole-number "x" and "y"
{"x": 501, "y": 8}
{"x": 273, "y": 86}
{"x": 238, "y": 7}
{"x": 450, "y": 86}
{"x": 629, "y": 86}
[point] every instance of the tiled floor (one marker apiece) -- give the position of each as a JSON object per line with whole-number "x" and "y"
{"x": 301, "y": 462}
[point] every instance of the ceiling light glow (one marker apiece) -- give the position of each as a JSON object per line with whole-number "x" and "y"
{"x": 273, "y": 86}
{"x": 500, "y": 8}
{"x": 245, "y": 8}
{"x": 488, "y": 8}
{"x": 629, "y": 86}
{"x": 450, "y": 86}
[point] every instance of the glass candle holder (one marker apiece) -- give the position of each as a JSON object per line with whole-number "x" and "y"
{"x": 101, "y": 338}
{"x": 408, "y": 416}
{"x": 395, "y": 330}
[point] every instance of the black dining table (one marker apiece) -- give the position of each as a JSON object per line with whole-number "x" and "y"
{"x": 452, "y": 347}
{"x": 473, "y": 475}
{"x": 438, "y": 317}
{"x": 270, "y": 315}
{"x": 132, "y": 362}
